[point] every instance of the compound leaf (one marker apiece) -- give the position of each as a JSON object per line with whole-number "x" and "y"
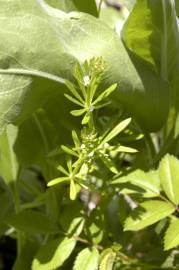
{"x": 147, "y": 214}
{"x": 169, "y": 177}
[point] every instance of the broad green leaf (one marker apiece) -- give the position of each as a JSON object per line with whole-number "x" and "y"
{"x": 24, "y": 260}
{"x": 87, "y": 259}
{"x": 53, "y": 254}
{"x": 114, "y": 17}
{"x": 147, "y": 214}
{"x": 39, "y": 135}
{"x": 148, "y": 181}
{"x": 57, "y": 180}
{"x": 171, "y": 238}
{"x": 115, "y": 131}
{"x": 8, "y": 159}
{"x": 29, "y": 78}
{"x": 151, "y": 37}
{"x": 169, "y": 177}
{"x": 32, "y": 222}
{"x": 87, "y": 6}
{"x": 107, "y": 259}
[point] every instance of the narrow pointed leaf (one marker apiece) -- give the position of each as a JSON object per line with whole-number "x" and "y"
{"x": 76, "y": 139}
{"x": 73, "y": 91}
{"x": 101, "y": 105}
{"x": 169, "y": 177}
{"x": 69, "y": 150}
{"x": 87, "y": 259}
{"x": 86, "y": 118}
{"x": 171, "y": 238}
{"x": 125, "y": 149}
{"x": 73, "y": 100}
{"x": 120, "y": 127}
{"x": 57, "y": 180}
{"x": 61, "y": 169}
{"x": 109, "y": 163}
{"x": 148, "y": 213}
{"x": 73, "y": 191}
{"x": 78, "y": 112}
{"x": 105, "y": 94}
{"x": 69, "y": 164}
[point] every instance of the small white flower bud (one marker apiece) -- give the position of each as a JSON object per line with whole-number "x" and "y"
{"x": 86, "y": 80}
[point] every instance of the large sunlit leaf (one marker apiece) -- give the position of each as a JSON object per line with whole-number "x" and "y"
{"x": 169, "y": 177}
{"x": 53, "y": 254}
{"x": 31, "y": 74}
{"x": 149, "y": 182}
{"x": 171, "y": 239}
{"x": 87, "y": 259}
{"x": 147, "y": 214}
{"x": 152, "y": 38}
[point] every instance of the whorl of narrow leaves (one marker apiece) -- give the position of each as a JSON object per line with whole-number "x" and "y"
{"x": 87, "y": 259}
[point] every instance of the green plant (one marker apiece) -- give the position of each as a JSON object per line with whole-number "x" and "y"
{"x": 89, "y": 135}
{"x": 162, "y": 185}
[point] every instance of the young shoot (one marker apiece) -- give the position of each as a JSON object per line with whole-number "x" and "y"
{"x": 89, "y": 147}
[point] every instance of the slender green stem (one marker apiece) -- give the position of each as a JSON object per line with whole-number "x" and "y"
{"x": 79, "y": 239}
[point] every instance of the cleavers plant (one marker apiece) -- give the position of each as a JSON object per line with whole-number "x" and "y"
{"x": 89, "y": 134}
